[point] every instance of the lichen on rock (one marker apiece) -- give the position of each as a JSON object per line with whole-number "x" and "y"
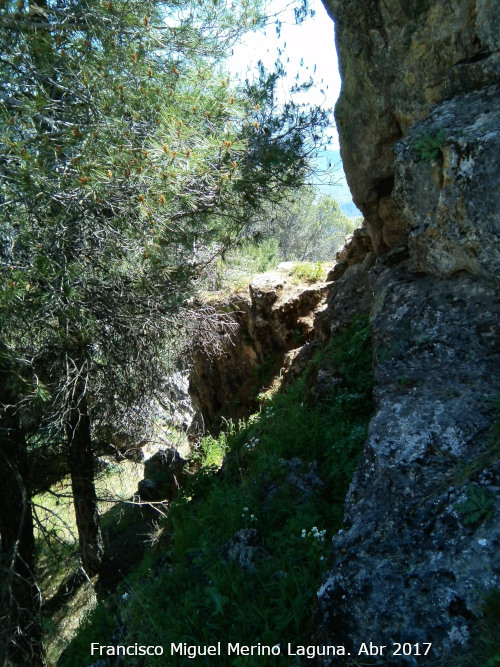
{"x": 419, "y": 123}
{"x": 406, "y": 567}
{"x": 398, "y": 60}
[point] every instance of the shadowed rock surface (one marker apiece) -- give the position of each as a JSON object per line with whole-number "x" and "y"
{"x": 275, "y": 316}
{"x": 419, "y": 124}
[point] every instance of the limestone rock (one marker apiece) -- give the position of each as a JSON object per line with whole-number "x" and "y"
{"x": 172, "y": 404}
{"x": 450, "y": 199}
{"x": 327, "y": 381}
{"x": 408, "y": 567}
{"x": 397, "y": 60}
{"x": 275, "y": 317}
{"x": 279, "y": 311}
{"x": 349, "y": 295}
{"x": 356, "y": 247}
{"x": 304, "y": 479}
{"x": 245, "y": 548}
{"x": 296, "y": 361}
{"x": 154, "y": 422}
{"x": 419, "y": 123}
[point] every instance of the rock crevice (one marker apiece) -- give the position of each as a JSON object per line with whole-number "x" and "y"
{"x": 274, "y": 317}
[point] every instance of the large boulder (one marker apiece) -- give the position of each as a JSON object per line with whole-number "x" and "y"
{"x": 397, "y": 60}
{"x": 409, "y": 566}
{"x": 447, "y": 187}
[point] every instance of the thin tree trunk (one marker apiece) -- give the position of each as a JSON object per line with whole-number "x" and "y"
{"x": 20, "y": 622}
{"x": 81, "y": 465}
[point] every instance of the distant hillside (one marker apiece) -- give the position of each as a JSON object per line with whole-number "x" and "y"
{"x": 339, "y": 190}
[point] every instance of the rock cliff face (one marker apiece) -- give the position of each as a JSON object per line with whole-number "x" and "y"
{"x": 419, "y": 121}
{"x": 274, "y": 317}
{"x": 398, "y": 59}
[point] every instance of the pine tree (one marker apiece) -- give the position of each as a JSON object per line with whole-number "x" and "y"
{"x": 308, "y": 228}
{"x": 20, "y": 626}
{"x": 129, "y": 162}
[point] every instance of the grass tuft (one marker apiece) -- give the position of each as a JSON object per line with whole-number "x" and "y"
{"x": 311, "y": 272}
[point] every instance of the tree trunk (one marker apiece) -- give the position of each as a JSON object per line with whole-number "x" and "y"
{"x": 20, "y": 622}
{"x": 81, "y": 465}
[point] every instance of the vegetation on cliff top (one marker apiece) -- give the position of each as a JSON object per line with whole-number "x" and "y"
{"x": 307, "y": 229}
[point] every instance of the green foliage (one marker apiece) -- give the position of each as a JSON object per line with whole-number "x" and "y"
{"x": 130, "y": 163}
{"x": 485, "y": 636}
{"x": 464, "y": 471}
{"x": 308, "y": 227}
{"x": 489, "y": 630}
{"x": 250, "y": 256}
{"x": 311, "y": 272}
{"x": 199, "y": 591}
{"x": 429, "y": 146}
{"x": 298, "y": 337}
{"x": 98, "y": 625}
{"x": 211, "y": 451}
{"x": 264, "y": 371}
{"x": 302, "y": 227}
{"x": 350, "y": 352}
{"x": 421, "y": 6}
{"x": 478, "y": 506}
{"x": 258, "y": 256}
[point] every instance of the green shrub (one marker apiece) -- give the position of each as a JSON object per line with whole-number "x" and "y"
{"x": 479, "y": 505}
{"x": 429, "y": 146}
{"x": 98, "y": 626}
{"x": 264, "y": 371}
{"x": 489, "y": 630}
{"x": 311, "y": 272}
{"x": 196, "y": 592}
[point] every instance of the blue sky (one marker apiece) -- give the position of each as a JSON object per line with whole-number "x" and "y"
{"x": 308, "y": 49}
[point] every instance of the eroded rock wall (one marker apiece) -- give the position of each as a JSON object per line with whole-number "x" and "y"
{"x": 398, "y": 59}
{"x": 447, "y": 186}
{"x": 408, "y": 567}
{"x": 419, "y": 122}
{"x": 274, "y": 316}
